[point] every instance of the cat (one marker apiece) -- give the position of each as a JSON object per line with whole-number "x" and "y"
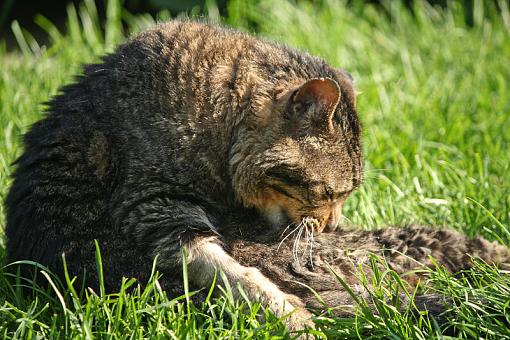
{"x": 297, "y": 262}
{"x": 152, "y": 147}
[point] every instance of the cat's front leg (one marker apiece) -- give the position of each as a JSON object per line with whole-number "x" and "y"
{"x": 207, "y": 256}
{"x": 162, "y": 227}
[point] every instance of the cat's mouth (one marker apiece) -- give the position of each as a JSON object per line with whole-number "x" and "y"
{"x": 303, "y": 235}
{"x": 327, "y": 221}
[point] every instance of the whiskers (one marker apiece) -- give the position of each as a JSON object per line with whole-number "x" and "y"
{"x": 304, "y": 230}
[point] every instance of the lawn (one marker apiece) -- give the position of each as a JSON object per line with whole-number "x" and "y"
{"x": 435, "y": 108}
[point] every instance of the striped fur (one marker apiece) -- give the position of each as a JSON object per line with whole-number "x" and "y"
{"x": 407, "y": 251}
{"x": 149, "y": 149}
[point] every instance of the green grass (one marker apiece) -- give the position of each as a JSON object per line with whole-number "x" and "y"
{"x": 436, "y": 115}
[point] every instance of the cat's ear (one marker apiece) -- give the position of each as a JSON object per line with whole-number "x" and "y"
{"x": 318, "y": 97}
{"x": 346, "y": 74}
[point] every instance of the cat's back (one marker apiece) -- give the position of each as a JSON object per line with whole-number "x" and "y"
{"x": 185, "y": 67}
{"x": 210, "y": 70}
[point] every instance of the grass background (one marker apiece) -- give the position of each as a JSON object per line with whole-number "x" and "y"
{"x": 436, "y": 116}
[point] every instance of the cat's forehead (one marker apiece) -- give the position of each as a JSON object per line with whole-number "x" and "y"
{"x": 323, "y": 152}
{"x": 316, "y": 152}
{"x": 314, "y": 144}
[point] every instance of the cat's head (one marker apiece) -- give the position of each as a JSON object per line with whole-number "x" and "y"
{"x": 300, "y": 154}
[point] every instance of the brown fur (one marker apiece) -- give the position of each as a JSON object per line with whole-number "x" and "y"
{"x": 345, "y": 251}
{"x": 152, "y": 147}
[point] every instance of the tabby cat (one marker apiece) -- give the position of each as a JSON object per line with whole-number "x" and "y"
{"x": 150, "y": 149}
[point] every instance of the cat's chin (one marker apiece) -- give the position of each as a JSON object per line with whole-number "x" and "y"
{"x": 276, "y": 217}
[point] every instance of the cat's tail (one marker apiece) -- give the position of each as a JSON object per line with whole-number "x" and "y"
{"x": 446, "y": 247}
{"x": 490, "y": 252}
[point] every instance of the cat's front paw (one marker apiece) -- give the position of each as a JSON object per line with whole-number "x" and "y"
{"x": 299, "y": 319}
{"x": 286, "y": 306}
{"x": 295, "y": 314}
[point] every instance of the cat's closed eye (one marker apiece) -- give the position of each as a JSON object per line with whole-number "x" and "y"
{"x": 296, "y": 185}
{"x": 336, "y": 196}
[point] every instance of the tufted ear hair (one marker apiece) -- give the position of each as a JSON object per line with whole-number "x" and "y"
{"x": 346, "y": 74}
{"x": 317, "y": 100}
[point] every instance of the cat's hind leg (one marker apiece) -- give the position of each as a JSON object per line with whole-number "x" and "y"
{"x": 57, "y": 203}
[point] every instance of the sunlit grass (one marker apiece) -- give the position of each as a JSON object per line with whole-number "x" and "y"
{"x": 436, "y": 113}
